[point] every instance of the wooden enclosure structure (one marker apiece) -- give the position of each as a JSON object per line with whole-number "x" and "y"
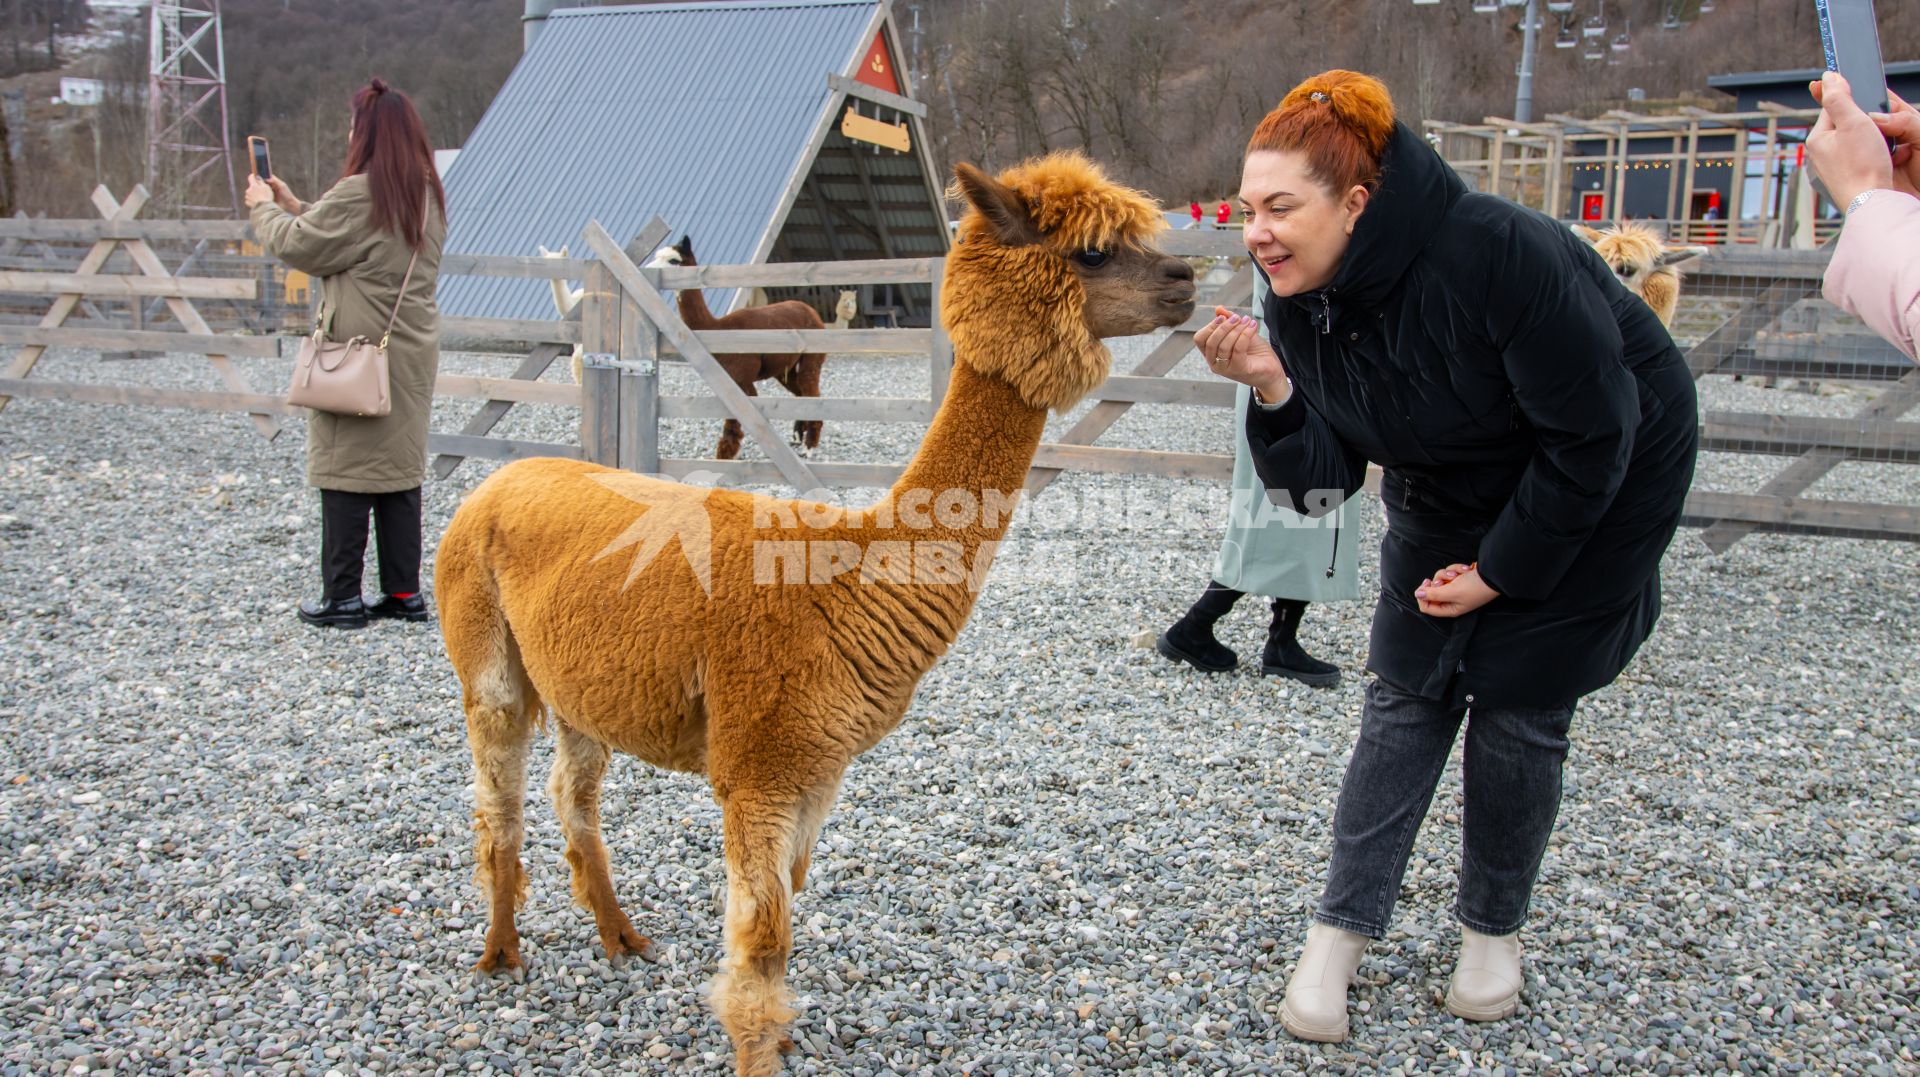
{"x": 1767, "y": 320}
{"x": 1669, "y": 169}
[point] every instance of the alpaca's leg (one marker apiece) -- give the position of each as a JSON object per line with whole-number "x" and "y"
{"x": 750, "y": 994}
{"x": 732, "y": 433}
{"x": 500, "y": 719}
{"x": 579, "y": 764}
{"x": 502, "y": 709}
{"x": 803, "y": 379}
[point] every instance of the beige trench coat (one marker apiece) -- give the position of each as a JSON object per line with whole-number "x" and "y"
{"x": 360, "y": 268}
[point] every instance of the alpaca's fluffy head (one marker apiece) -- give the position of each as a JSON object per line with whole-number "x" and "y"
{"x": 1635, "y": 252}
{"x": 847, "y": 306}
{"x": 545, "y": 253}
{"x": 1052, "y": 257}
{"x": 1071, "y": 204}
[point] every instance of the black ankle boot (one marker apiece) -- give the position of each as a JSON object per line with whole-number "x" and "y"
{"x": 1190, "y": 640}
{"x": 1284, "y": 657}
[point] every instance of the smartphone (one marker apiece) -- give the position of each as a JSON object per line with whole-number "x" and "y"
{"x": 257, "y": 150}
{"x": 1851, "y": 39}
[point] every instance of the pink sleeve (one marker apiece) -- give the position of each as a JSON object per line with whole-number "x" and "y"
{"x": 1875, "y": 272}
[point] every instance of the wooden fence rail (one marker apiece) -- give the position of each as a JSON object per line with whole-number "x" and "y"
{"x": 626, "y": 327}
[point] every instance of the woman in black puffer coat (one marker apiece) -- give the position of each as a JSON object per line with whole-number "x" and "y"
{"x": 1537, "y": 430}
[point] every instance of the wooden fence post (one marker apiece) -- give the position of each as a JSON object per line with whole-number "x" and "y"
{"x": 940, "y": 356}
{"x": 600, "y": 388}
{"x": 639, "y": 389}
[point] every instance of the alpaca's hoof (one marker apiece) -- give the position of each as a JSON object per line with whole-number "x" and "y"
{"x": 518, "y": 974}
{"x": 501, "y": 959}
{"x": 630, "y": 943}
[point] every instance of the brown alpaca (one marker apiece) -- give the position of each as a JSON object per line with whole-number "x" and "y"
{"x": 797, "y": 372}
{"x": 1644, "y": 263}
{"x": 762, "y": 642}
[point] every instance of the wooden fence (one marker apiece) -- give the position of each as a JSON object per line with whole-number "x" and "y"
{"x": 1768, "y": 321}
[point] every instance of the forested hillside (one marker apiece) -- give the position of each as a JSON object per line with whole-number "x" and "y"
{"x": 1164, "y": 91}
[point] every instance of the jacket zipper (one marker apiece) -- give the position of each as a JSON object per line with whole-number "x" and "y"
{"x": 1326, "y": 329}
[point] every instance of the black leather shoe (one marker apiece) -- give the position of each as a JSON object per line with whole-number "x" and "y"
{"x": 411, "y": 608}
{"x": 346, "y": 613}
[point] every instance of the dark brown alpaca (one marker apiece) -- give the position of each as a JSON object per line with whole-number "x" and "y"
{"x": 797, "y": 372}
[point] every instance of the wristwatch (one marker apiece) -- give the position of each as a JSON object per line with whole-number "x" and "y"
{"x": 1860, "y": 200}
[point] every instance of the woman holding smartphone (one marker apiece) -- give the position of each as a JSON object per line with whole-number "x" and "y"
{"x": 1870, "y": 162}
{"x": 374, "y": 242}
{"x": 1537, "y": 427}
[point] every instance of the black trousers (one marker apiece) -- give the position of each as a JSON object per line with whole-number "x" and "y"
{"x": 343, "y": 541}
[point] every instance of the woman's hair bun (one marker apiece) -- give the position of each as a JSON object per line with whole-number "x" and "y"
{"x": 377, "y": 84}
{"x": 1359, "y": 102}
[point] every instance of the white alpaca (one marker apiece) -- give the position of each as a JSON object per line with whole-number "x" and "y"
{"x": 564, "y": 300}
{"x": 845, "y": 309}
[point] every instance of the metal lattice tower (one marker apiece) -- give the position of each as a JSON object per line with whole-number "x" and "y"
{"x": 188, "y": 153}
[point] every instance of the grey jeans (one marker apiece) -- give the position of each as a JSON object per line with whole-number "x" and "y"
{"x": 1512, "y": 777}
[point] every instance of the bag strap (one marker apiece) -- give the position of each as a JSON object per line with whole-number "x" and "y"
{"x": 397, "y": 300}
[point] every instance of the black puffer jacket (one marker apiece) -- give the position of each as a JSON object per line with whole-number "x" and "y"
{"x": 1530, "y": 414}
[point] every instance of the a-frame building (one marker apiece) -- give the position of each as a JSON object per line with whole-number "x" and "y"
{"x": 768, "y": 130}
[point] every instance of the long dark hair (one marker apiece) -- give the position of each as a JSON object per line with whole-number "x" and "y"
{"x": 390, "y": 145}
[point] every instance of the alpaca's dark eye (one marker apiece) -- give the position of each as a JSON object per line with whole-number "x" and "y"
{"x": 1092, "y": 259}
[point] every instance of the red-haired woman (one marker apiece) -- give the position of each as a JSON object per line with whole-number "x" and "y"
{"x": 374, "y": 243}
{"x": 1537, "y": 429}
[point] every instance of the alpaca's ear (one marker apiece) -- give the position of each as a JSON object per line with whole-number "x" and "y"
{"x": 1001, "y": 205}
{"x": 1673, "y": 256}
{"x": 1591, "y": 235}
{"x": 685, "y": 246}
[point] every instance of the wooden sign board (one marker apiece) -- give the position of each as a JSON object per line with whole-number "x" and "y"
{"x": 860, "y": 128}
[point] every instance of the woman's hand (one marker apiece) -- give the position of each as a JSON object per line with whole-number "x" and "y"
{"x": 1846, "y": 147}
{"x": 258, "y": 193}
{"x": 1234, "y": 349}
{"x": 1902, "y": 126}
{"x": 283, "y": 197}
{"x": 1452, "y": 591}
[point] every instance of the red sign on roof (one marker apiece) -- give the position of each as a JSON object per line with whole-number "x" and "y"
{"x": 876, "y": 67}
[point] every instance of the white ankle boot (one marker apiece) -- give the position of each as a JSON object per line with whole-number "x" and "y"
{"x": 1486, "y": 982}
{"x": 1316, "y": 1004}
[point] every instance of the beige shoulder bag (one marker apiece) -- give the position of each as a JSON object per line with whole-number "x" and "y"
{"x": 346, "y": 377}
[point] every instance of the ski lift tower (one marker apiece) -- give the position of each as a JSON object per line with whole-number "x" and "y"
{"x": 187, "y": 144}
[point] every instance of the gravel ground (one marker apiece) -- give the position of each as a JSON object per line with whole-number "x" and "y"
{"x": 230, "y": 843}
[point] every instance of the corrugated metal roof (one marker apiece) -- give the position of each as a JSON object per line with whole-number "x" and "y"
{"x": 697, "y": 112}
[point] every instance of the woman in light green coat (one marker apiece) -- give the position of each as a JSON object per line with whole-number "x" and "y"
{"x": 374, "y": 243}
{"x": 1272, "y": 551}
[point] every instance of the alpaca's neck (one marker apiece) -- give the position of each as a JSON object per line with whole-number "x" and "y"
{"x": 563, "y": 297}
{"x": 980, "y": 445}
{"x": 694, "y": 310}
{"x": 977, "y": 453}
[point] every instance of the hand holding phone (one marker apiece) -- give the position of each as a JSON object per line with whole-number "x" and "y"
{"x": 1846, "y": 149}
